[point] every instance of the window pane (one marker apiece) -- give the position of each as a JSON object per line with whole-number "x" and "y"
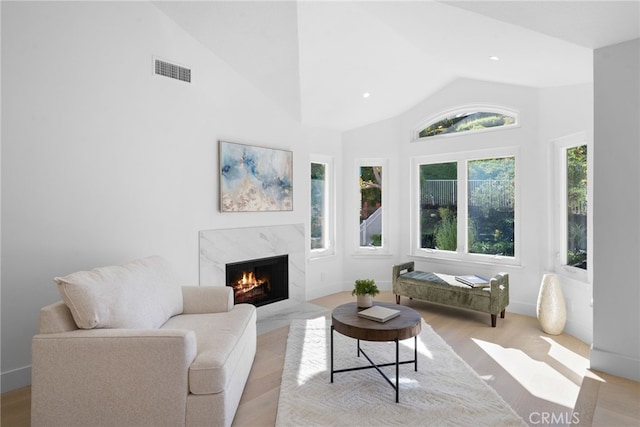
{"x": 468, "y": 121}
{"x": 318, "y": 206}
{"x": 439, "y": 206}
{"x": 491, "y": 197}
{"x": 371, "y": 206}
{"x": 577, "y": 207}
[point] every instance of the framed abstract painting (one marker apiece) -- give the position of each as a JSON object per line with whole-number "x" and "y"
{"x": 254, "y": 179}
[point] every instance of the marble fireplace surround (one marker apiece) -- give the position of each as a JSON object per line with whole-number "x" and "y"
{"x": 221, "y": 246}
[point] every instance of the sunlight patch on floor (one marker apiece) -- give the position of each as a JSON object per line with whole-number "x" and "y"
{"x": 575, "y": 362}
{"x": 311, "y": 349}
{"x": 540, "y": 379}
{"x": 422, "y": 348}
{"x": 488, "y": 378}
{"x": 593, "y": 376}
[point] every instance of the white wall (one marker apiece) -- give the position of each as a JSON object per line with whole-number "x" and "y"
{"x": 616, "y": 287}
{"x": 392, "y": 139}
{"x": 103, "y": 162}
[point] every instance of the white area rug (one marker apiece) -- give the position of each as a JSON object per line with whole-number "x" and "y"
{"x": 444, "y": 392}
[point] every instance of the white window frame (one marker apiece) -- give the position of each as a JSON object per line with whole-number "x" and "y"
{"x": 558, "y": 216}
{"x": 384, "y": 248}
{"x": 462, "y": 253}
{"x": 490, "y": 108}
{"x": 329, "y": 206}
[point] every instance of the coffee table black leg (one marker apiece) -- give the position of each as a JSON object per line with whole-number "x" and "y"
{"x": 377, "y": 367}
{"x": 332, "y": 353}
{"x": 397, "y": 371}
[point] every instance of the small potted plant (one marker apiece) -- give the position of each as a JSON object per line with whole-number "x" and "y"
{"x": 365, "y": 289}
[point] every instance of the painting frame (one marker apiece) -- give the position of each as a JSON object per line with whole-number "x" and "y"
{"x": 254, "y": 178}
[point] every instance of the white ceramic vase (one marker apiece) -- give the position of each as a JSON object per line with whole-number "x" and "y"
{"x": 365, "y": 300}
{"x": 551, "y": 309}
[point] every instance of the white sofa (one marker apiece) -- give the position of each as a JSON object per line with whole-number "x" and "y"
{"x": 129, "y": 346}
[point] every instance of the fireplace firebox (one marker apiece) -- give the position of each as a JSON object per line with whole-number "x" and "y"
{"x": 259, "y": 281}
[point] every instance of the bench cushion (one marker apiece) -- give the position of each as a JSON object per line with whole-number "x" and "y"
{"x": 444, "y": 280}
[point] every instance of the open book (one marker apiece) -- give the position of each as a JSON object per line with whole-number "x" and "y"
{"x": 473, "y": 281}
{"x": 378, "y": 313}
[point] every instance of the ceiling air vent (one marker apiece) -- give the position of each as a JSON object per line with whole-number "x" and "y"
{"x": 163, "y": 68}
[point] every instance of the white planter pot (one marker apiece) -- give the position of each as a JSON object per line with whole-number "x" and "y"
{"x": 551, "y": 309}
{"x": 365, "y": 300}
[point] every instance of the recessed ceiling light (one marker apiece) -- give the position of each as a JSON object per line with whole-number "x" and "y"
{"x": 494, "y": 58}
{"x": 366, "y": 95}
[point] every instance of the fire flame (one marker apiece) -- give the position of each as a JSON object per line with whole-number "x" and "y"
{"x": 247, "y": 283}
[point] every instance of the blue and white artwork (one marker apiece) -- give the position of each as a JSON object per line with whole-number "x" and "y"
{"x": 255, "y": 178}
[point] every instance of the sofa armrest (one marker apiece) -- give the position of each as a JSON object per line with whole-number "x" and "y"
{"x": 54, "y": 318}
{"x": 82, "y": 376}
{"x": 207, "y": 299}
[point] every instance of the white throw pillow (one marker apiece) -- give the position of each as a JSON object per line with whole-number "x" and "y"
{"x": 139, "y": 294}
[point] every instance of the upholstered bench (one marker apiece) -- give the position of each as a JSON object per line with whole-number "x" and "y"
{"x": 445, "y": 289}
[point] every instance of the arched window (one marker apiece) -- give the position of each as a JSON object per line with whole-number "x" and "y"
{"x": 472, "y": 118}
{"x": 465, "y": 201}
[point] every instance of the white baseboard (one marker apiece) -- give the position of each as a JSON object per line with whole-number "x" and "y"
{"x": 580, "y": 330}
{"x": 327, "y": 289}
{"x": 521, "y": 308}
{"x": 17, "y": 378}
{"x": 615, "y": 364}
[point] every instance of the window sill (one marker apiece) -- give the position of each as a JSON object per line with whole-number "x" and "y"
{"x": 321, "y": 255}
{"x": 457, "y": 259}
{"x": 572, "y": 273}
{"x": 370, "y": 253}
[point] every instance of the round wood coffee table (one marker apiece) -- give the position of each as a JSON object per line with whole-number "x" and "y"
{"x": 408, "y": 324}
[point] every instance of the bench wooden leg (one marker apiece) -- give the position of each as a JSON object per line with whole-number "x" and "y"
{"x": 493, "y": 320}
{"x": 502, "y": 313}
{"x": 397, "y": 299}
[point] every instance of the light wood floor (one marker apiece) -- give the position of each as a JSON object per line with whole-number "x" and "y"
{"x": 536, "y": 374}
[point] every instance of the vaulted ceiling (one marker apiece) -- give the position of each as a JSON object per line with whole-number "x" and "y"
{"x": 316, "y": 59}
